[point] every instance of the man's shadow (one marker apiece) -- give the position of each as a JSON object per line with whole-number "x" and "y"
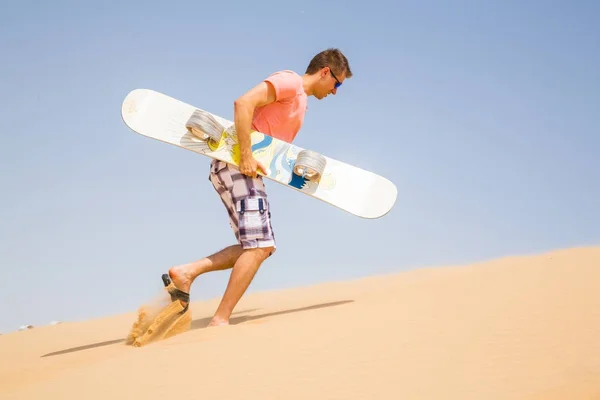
{"x": 201, "y": 323}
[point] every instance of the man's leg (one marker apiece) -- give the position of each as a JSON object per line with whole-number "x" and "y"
{"x": 245, "y": 264}
{"x": 243, "y": 272}
{"x": 184, "y": 275}
{"x": 251, "y": 220}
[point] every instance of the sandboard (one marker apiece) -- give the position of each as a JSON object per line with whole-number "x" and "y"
{"x": 352, "y": 189}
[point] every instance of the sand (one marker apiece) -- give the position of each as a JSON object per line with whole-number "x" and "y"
{"x": 514, "y": 328}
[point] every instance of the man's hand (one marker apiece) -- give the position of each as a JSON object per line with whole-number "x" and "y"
{"x": 249, "y": 166}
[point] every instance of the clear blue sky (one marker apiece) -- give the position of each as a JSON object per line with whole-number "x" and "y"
{"x": 484, "y": 114}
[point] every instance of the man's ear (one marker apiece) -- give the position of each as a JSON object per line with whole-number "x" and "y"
{"x": 324, "y": 71}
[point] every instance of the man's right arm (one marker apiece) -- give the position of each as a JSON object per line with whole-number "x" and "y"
{"x": 244, "y": 106}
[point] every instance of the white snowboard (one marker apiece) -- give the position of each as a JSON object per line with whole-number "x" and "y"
{"x": 342, "y": 185}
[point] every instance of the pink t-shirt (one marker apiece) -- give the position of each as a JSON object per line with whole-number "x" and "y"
{"x": 283, "y": 118}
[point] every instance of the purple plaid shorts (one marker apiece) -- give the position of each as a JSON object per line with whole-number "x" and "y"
{"x": 246, "y": 202}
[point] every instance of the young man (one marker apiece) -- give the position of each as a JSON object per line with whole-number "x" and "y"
{"x": 275, "y": 107}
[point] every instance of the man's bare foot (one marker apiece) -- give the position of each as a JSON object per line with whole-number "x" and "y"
{"x": 216, "y": 321}
{"x": 181, "y": 278}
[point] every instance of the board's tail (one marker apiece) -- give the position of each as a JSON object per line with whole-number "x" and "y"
{"x": 204, "y": 125}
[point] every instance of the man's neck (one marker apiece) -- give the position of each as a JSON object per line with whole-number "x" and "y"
{"x": 308, "y": 82}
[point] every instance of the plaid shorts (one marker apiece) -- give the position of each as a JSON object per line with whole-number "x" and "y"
{"x": 246, "y": 202}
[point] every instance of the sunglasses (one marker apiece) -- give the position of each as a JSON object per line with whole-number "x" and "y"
{"x": 337, "y": 81}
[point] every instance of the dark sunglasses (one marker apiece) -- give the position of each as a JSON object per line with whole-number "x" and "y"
{"x": 337, "y": 81}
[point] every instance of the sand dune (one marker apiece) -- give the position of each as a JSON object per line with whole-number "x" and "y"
{"x": 513, "y": 328}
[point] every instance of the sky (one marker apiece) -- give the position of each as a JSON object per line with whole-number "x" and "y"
{"x": 485, "y": 115}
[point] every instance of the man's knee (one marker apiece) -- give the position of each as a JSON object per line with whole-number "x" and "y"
{"x": 264, "y": 252}
{"x": 258, "y": 255}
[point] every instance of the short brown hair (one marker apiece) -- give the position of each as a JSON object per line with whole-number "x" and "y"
{"x": 332, "y": 58}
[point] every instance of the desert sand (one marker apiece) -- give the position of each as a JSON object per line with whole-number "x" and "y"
{"x": 522, "y": 327}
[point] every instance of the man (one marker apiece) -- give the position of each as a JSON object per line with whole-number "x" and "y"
{"x": 275, "y": 107}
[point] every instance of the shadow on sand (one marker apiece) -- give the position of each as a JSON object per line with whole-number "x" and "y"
{"x": 203, "y": 322}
